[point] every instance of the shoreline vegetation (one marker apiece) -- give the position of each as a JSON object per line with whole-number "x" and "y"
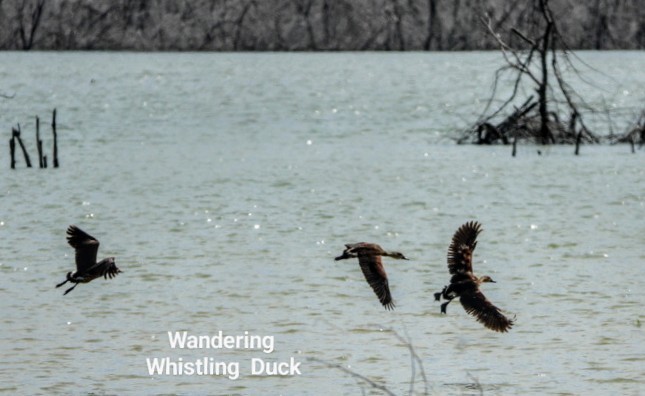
{"x": 309, "y": 25}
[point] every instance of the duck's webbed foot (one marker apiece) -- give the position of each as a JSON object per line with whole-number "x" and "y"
{"x": 444, "y": 305}
{"x": 437, "y": 296}
{"x": 70, "y": 289}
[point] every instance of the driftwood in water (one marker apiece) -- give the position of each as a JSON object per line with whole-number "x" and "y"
{"x": 16, "y": 135}
{"x": 55, "y": 139}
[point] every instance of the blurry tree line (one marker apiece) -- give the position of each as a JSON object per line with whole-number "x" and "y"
{"x": 303, "y": 25}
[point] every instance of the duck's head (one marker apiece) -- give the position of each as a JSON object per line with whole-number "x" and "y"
{"x": 398, "y": 255}
{"x": 486, "y": 279}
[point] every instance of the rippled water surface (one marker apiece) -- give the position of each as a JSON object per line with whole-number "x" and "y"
{"x": 224, "y": 185}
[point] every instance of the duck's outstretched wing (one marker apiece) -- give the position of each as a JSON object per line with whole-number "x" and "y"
{"x": 86, "y": 247}
{"x": 372, "y": 268}
{"x": 460, "y": 252}
{"x": 105, "y": 268}
{"x": 476, "y": 304}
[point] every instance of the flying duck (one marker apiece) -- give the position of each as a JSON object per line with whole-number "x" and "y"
{"x": 87, "y": 269}
{"x": 465, "y": 285}
{"x": 369, "y": 258}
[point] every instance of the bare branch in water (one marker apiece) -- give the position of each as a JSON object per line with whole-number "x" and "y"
{"x": 542, "y": 64}
{"x": 478, "y": 386}
{"x": 353, "y": 374}
{"x": 415, "y": 360}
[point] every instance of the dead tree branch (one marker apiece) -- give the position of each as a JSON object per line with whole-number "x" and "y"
{"x": 415, "y": 360}
{"x": 539, "y": 65}
{"x": 353, "y": 374}
{"x": 28, "y": 34}
{"x": 16, "y": 135}
{"x": 55, "y": 153}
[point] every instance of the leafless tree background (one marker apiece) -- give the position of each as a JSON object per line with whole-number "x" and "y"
{"x": 553, "y": 113}
{"x": 302, "y": 25}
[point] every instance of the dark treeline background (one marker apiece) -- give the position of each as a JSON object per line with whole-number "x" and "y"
{"x": 300, "y": 25}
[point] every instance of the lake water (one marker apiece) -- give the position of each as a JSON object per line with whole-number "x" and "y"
{"x": 225, "y": 184}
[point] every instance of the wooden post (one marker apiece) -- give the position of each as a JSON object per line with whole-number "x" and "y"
{"x": 45, "y": 161}
{"x": 12, "y": 149}
{"x": 514, "y": 145}
{"x": 16, "y": 134}
{"x": 39, "y": 143}
{"x": 55, "y": 139}
{"x": 578, "y": 140}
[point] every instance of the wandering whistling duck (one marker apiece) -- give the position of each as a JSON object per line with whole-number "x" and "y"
{"x": 87, "y": 268}
{"x": 465, "y": 285}
{"x": 369, "y": 258}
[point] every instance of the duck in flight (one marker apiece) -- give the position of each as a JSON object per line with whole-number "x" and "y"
{"x": 87, "y": 269}
{"x": 369, "y": 258}
{"x": 465, "y": 285}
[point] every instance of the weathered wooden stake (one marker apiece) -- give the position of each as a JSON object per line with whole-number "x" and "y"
{"x": 514, "y": 145}
{"x": 39, "y": 143}
{"x": 55, "y": 139}
{"x": 16, "y": 134}
{"x": 12, "y": 149}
